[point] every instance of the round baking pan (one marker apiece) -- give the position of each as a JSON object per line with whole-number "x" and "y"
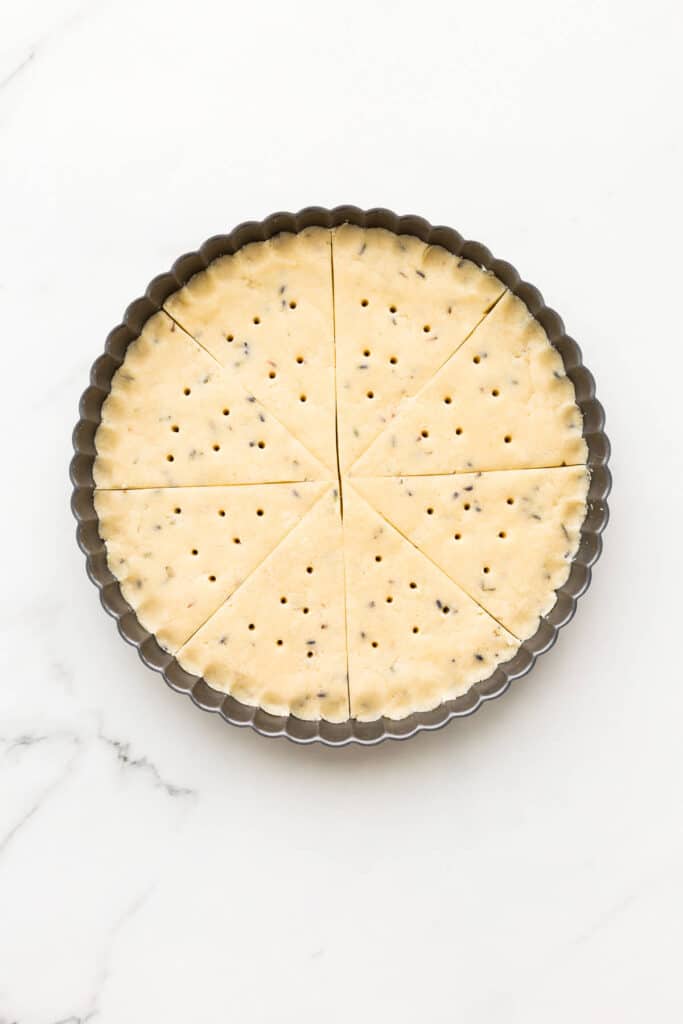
{"x": 351, "y": 731}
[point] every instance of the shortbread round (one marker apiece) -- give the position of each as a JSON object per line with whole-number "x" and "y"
{"x": 341, "y": 474}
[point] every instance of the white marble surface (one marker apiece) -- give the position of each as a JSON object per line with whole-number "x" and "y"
{"x": 523, "y": 865}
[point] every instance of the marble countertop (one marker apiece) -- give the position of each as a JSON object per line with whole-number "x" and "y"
{"x": 157, "y": 865}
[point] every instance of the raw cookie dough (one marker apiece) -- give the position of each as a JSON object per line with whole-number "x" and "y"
{"x": 175, "y": 418}
{"x": 503, "y": 401}
{"x": 507, "y": 538}
{"x": 179, "y": 552}
{"x": 342, "y": 474}
{"x": 280, "y": 640}
{"x": 266, "y": 315}
{"x": 401, "y": 309}
{"x": 415, "y": 638}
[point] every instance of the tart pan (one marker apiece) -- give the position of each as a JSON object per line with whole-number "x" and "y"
{"x": 350, "y": 731}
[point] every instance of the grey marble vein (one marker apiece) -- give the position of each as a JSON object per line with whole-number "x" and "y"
{"x": 606, "y": 917}
{"x": 75, "y": 1019}
{"x": 13, "y": 74}
{"x": 25, "y": 740}
{"x": 56, "y": 30}
{"x": 143, "y": 764}
{"x": 11, "y": 743}
{"x": 103, "y": 970}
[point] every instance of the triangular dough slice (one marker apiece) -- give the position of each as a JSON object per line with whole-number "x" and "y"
{"x": 506, "y": 538}
{"x": 502, "y": 401}
{"x": 174, "y": 418}
{"x": 280, "y": 642}
{"x": 266, "y": 314}
{"x": 415, "y": 638}
{"x": 179, "y": 552}
{"x": 401, "y": 309}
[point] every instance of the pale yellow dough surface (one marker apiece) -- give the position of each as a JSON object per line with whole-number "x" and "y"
{"x": 280, "y": 640}
{"x": 175, "y": 418}
{"x": 401, "y": 309}
{"x": 266, "y": 315}
{"x": 180, "y": 552}
{"x": 415, "y": 638}
{"x": 507, "y": 538}
{"x": 342, "y": 474}
{"x": 502, "y": 401}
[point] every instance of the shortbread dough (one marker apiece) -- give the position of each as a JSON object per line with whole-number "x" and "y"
{"x": 342, "y": 473}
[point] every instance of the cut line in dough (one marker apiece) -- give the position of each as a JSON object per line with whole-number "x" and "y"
{"x": 506, "y": 538}
{"x": 178, "y": 553}
{"x": 279, "y": 641}
{"x": 402, "y": 308}
{"x": 502, "y": 401}
{"x": 466, "y": 369}
{"x": 265, "y": 313}
{"x": 174, "y": 417}
{"x": 417, "y": 638}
